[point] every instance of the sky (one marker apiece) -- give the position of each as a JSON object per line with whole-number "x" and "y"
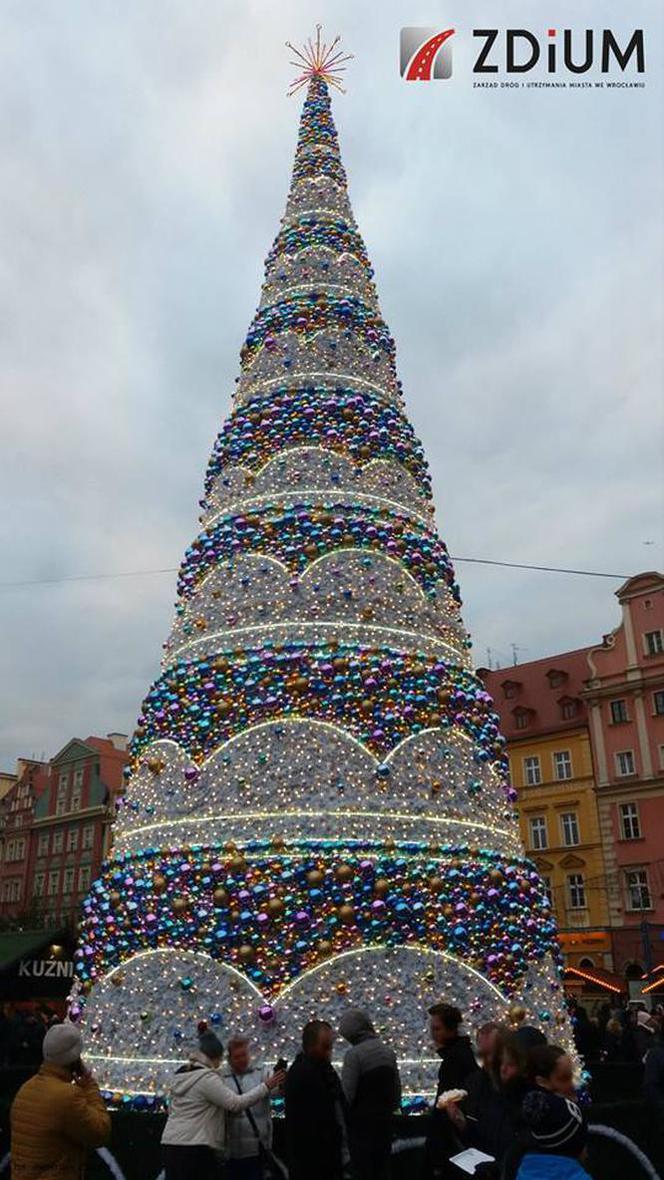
{"x": 517, "y": 240}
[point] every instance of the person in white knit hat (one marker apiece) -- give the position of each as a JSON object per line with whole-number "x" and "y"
{"x": 58, "y": 1114}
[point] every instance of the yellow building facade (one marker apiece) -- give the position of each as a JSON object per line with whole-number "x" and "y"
{"x": 548, "y": 744}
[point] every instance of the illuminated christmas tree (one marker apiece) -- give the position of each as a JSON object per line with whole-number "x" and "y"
{"x": 318, "y": 810}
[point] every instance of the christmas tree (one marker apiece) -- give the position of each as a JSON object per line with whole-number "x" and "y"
{"x": 318, "y": 811}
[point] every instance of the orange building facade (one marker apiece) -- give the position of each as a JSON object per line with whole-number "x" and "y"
{"x": 544, "y": 718}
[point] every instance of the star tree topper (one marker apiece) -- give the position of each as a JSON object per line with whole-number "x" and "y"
{"x": 318, "y": 61}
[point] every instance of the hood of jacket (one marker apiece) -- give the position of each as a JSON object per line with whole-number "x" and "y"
{"x": 355, "y": 1026}
{"x": 550, "y": 1167}
{"x": 188, "y": 1076}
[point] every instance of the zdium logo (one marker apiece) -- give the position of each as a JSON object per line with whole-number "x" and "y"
{"x": 426, "y": 54}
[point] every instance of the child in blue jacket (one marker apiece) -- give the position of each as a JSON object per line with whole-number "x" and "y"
{"x": 556, "y": 1138}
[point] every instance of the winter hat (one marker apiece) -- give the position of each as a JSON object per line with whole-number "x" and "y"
{"x": 555, "y": 1124}
{"x": 62, "y": 1044}
{"x": 210, "y": 1045}
{"x": 354, "y": 1025}
{"x": 644, "y": 1020}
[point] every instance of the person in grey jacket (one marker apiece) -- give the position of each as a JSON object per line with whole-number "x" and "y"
{"x": 372, "y": 1087}
{"x": 247, "y": 1131}
{"x": 195, "y": 1128}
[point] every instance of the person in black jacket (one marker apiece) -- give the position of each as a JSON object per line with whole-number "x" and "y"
{"x": 372, "y": 1087}
{"x": 490, "y": 1118}
{"x": 315, "y": 1109}
{"x": 457, "y": 1064}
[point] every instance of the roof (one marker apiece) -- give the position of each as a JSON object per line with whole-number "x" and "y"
{"x": 606, "y": 979}
{"x": 655, "y": 980}
{"x": 540, "y": 693}
{"x": 112, "y": 762}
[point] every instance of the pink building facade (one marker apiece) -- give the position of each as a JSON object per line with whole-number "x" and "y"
{"x": 624, "y": 694}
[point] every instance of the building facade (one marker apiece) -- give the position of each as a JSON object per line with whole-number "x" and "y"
{"x": 544, "y": 718}
{"x": 56, "y": 829}
{"x": 16, "y": 817}
{"x": 624, "y": 696}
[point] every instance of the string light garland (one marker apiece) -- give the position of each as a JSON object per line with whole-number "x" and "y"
{"x": 318, "y": 811}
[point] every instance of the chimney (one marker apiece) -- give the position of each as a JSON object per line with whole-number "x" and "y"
{"x": 119, "y": 740}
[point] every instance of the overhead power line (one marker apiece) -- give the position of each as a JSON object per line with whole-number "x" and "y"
{"x": 515, "y": 565}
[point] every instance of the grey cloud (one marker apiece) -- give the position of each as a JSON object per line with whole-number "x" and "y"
{"x": 517, "y": 241}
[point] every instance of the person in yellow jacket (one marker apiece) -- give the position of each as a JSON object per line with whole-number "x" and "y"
{"x": 58, "y": 1114}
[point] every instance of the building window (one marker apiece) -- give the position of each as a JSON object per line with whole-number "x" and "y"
{"x": 58, "y": 841}
{"x": 76, "y": 796}
{"x": 548, "y": 890}
{"x": 658, "y": 703}
{"x": 630, "y": 827}
{"x": 625, "y": 763}
{"x": 38, "y": 885}
{"x": 42, "y": 844}
{"x": 53, "y": 882}
{"x": 78, "y": 776}
{"x": 638, "y": 889}
{"x": 509, "y": 690}
{"x": 569, "y": 826}
{"x": 521, "y": 718}
{"x": 61, "y": 806}
{"x": 562, "y": 764}
{"x": 20, "y": 848}
{"x": 555, "y": 678}
{"x": 63, "y": 781}
{"x": 568, "y": 710}
{"x": 68, "y": 880}
{"x": 538, "y": 836}
{"x": 576, "y": 891}
{"x": 532, "y": 771}
{"x": 9, "y": 850}
{"x": 619, "y": 712}
{"x": 653, "y": 643}
{"x": 88, "y": 837}
{"x": 72, "y": 840}
{"x": 83, "y": 878}
{"x": 13, "y": 890}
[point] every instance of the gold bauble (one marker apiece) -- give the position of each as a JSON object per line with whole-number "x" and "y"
{"x": 435, "y": 884}
{"x": 180, "y": 904}
{"x": 381, "y": 886}
{"x": 115, "y": 898}
{"x": 346, "y": 914}
{"x": 158, "y": 883}
{"x": 324, "y": 947}
{"x": 275, "y": 906}
{"x": 246, "y": 953}
{"x": 345, "y": 873}
{"x": 220, "y": 897}
{"x": 314, "y": 877}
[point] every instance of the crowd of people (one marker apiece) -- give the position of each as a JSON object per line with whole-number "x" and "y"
{"x": 619, "y": 1033}
{"x": 508, "y": 1102}
{"x": 22, "y": 1032}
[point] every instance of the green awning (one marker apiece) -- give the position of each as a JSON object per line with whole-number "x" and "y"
{"x": 20, "y": 944}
